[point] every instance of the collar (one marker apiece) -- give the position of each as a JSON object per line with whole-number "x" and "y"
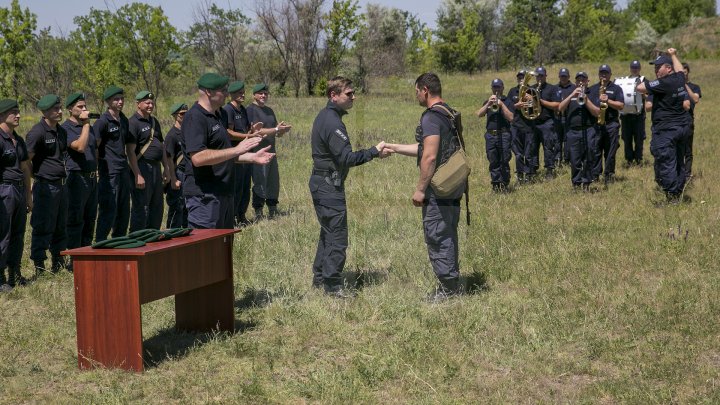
{"x": 5, "y": 135}
{"x": 334, "y": 107}
{"x": 140, "y": 117}
{"x": 46, "y": 127}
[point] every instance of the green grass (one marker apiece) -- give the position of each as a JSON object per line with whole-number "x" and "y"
{"x": 582, "y": 297}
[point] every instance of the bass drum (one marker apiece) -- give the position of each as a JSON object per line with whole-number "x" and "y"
{"x": 633, "y": 99}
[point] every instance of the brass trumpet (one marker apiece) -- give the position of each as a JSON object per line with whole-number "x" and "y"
{"x": 581, "y": 97}
{"x": 603, "y": 105}
{"x": 495, "y": 106}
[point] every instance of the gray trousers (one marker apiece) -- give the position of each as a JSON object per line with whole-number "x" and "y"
{"x": 440, "y": 224}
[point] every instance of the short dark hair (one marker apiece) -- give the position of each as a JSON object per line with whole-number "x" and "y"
{"x": 337, "y": 84}
{"x": 686, "y": 66}
{"x": 431, "y": 81}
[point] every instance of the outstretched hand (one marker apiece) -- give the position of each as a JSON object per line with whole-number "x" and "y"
{"x": 255, "y": 128}
{"x": 247, "y": 144}
{"x": 263, "y": 157}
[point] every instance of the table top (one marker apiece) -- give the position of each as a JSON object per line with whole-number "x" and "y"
{"x": 197, "y": 236}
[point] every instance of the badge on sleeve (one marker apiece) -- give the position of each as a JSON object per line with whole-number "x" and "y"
{"x": 341, "y": 135}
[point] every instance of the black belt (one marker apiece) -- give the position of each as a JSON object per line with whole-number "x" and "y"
{"x": 60, "y": 182}
{"x": 322, "y": 172}
{"x": 18, "y": 183}
{"x": 497, "y": 131}
{"x": 89, "y": 175}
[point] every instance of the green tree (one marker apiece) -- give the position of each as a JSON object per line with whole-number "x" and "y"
{"x": 16, "y": 36}
{"x": 467, "y": 35}
{"x": 596, "y": 28}
{"x": 52, "y": 71}
{"x": 665, "y": 15}
{"x": 341, "y": 30}
{"x": 530, "y": 34}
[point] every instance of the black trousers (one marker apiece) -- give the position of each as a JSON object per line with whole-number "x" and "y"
{"x": 243, "y": 180}
{"x": 113, "y": 204}
{"x": 633, "y": 135}
{"x": 668, "y": 148}
{"x": 497, "y": 148}
{"x": 48, "y": 220}
{"x": 13, "y": 219}
{"x": 82, "y": 209}
{"x": 331, "y": 211}
{"x": 608, "y": 143}
{"x": 147, "y": 203}
{"x": 688, "y": 149}
{"x": 177, "y": 212}
{"x": 582, "y": 145}
{"x": 544, "y": 135}
{"x": 210, "y": 211}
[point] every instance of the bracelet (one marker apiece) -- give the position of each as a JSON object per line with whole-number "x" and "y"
{"x": 277, "y": 129}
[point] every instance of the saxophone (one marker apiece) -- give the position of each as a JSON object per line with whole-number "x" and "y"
{"x": 530, "y": 109}
{"x": 603, "y": 105}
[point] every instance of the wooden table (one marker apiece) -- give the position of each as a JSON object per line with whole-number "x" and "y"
{"x": 112, "y": 284}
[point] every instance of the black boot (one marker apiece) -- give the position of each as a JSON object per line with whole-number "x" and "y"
{"x": 58, "y": 263}
{"x": 39, "y": 267}
{"x": 259, "y": 214}
{"x": 445, "y": 290}
{"x": 273, "y": 211}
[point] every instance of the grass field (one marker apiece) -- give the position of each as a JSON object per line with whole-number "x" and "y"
{"x": 605, "y": 297}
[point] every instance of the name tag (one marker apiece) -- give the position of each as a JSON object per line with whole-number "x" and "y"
{"x": 238, "y": 116}
{"x": 51, "y": 140}
{"x": 654, "y": 83}
{"x": 215, "y": 127}
{"x": 145, "y": 129}
{"x": 113, "y": 129}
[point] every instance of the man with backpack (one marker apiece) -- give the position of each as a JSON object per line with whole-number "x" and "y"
{"x": 438, "y": 137}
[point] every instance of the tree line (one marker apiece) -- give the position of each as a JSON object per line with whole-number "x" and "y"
{"x": 297, "y": 44}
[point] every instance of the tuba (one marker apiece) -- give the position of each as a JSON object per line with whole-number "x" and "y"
{"x": 530, "y": 109}
{"x": 603, "y": 105}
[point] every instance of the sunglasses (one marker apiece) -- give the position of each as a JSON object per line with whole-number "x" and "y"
{"x": 350, "y": 93}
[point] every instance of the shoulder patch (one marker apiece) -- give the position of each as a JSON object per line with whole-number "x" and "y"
{"x": 654, "y": 83}
{"x": 341, "y": 135}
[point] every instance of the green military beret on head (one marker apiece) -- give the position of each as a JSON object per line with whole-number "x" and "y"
{"x": 111, "y": 91}
{"x": 212, "y": 81}
{"x": 47, "y": 101}
{"x": 144, "y": 95}
{"x": 236, "y": 86}
{"x": 260, "y": 87}
{"x": 7, "y": 105}
{"x": 73, "y": 98}
{"x": 176, "y": 108}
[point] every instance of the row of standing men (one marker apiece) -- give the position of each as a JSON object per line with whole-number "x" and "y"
{"x": 561, "y": 128}
{"x": 85, "y": 173}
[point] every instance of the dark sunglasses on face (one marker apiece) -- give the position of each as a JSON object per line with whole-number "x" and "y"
{"x": 350, "y": 93}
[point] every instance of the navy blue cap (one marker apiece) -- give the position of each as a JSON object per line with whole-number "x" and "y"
{"x": 564, "y": 72}
{"x": 662, "y": 60}
{"x": 605, "y": 68}
{"x": 540, "y": 71}
{"x": 520, "y": 73}
{"x": 581, "y": 74}
{"x": 497, "y": 83}
{"x": 635, "y": 64}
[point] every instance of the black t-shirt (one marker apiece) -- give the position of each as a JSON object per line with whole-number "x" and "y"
{"x": 513, "y": 97}
{"x": 173, "y": 147}
{"x": 614, "y": 92}
{"x": 140, "y": 129}
{"x": 265, "y": 115}
{"x": 237, "y": 120}
{"x": 11, "y": 156}
{"x": 496, "y": 120}
{"x": 667, "y": 102}
{"x": 578, "y": 116}
{"x": 564, "y": 91}
{"x": 49, "y": 147}
{"x": 433, "y": 122}
{"x": 548, "y": 92}
{"x": 77, "y": 161}
{"x": 203, "y": 130}
{"x": 696, "y": 89}
{"x": 112, "y": 135}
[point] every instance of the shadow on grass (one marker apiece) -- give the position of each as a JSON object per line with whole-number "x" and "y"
{"x": 360, "y": 279}
{"x": 475, "y": 282}
{"x": 253, "y": 298}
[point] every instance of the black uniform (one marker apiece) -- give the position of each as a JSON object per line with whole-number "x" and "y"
{"x": 498, "y": 144}
{"x": 50, "y": 200}
{"x": 332, "y": 159}
{"x": 177, "y": 213}
{"x": 208, "y": 190}
{"x": 632, "y": 128}
{"x": 147, "y": 203}
{"x": 670, "y": 127}
{"x": 441, "y": 215}
{"x": 237, "y": 120}
{"x": 688, "y": 149}
{"x": 13, "y": 206}
{"x": 265, "y": 178}
{"x": 115, "y": 180}
{"x": 544, "y": 130}
{"x": 520, "y": 142}
{"x": 82, "y": 187}
{"x": 608, "y": 134}
{"x": 582, "y": 143}
{"x": 561, "y": 123}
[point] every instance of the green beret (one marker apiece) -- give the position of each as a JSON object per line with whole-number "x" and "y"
{"x": 236, "y": 86}
{"x": 7, "y": 105}
{"x": 143, "y": 95}
{"x": 176, "y": 108}
{"x": 73, "y": 98}
{"x": 47, "y": 102}
{"x": 212, "y": 81}
{"x": 260, "y": 87}
{"x": 111, "y": 91}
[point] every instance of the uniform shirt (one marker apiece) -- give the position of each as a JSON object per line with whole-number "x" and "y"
{"x": 614, "y": 92}
{"x": 433, "y": 123}
{"x": 139, "y": 134}
{"x": 203, "y": 130}
{"x": 237, "y": 120}
{"x": 513, "y": 97}
{"x": 77, "y": 161}
{"x": 564, "y": 91}
{"x": 548, "y": 92}
{"x": 696, "y": 89}
{"x": 111, "y": 138}
{"x": 667, "y": 102}
{"x": 267, "y": 116}
{"x": 11, "y": 156}
{"x": 330, "y": 143}
{"x": 578, "y": 116}
{"x": 496, "y": 120}
{"x": 173, "y": 147}
{"x": 49, "y": 147}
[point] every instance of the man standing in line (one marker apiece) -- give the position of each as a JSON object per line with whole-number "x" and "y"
{"x": 633, "y": 125}
{"x": 437, "y": 139}
{"x": 519, "y": 130}
{"x": 81, "y": 168}
{"x": 694, "y": 94}
{"x": 544, "y": 126}
{"x": 15, "y": 195}
{"x": 497, "y": 135}
{"x": 565, "y": 87}
{"x": 47, "y": 149}
{"x": 209, "y": 157}
{"x": 266, "y": 179}
{"x": 333, "y": 157}
{"x": 177, "y": 216}
{"x": 114, "y": 177}
{"x": 146, "y": 158}
{"x": 608, "y": 131}
{"x": 670, "y": 122}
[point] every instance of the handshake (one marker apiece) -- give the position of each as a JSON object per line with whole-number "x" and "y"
{"x": 384, "y": 149}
